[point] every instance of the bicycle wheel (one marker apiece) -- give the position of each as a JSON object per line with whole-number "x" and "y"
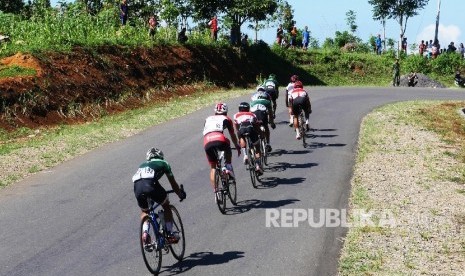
{"x": 232, "y": 191}
{"x": 220, "y": 195}
{"x": 251, "y": 163}
{"x": 178, "y": 249}
{"x": 264, "y": 154}
{"x": 150, "y": 250}
{"x": 302, "y": 127}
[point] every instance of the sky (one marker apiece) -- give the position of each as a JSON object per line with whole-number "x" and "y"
{"x": 325, "y": 17}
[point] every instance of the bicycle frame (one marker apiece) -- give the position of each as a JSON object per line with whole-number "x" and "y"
{"x": 154, "y": 216}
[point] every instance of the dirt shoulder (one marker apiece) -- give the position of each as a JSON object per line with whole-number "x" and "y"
{"x": 411, "y": 182}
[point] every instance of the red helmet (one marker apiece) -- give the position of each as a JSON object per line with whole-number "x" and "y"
{"x": 298, "y": 84}
{"x": 294, "y": 78}
{"x": 221, "y": 108}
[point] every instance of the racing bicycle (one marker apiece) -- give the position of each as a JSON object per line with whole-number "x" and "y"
{"x": 251, "y": 160}
{"x": 157, "y": 240}
{"x": 225, "y": 185}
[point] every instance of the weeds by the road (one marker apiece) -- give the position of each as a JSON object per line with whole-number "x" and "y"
{"x": 28, "y": 151}
{"x": 411, "y": 163}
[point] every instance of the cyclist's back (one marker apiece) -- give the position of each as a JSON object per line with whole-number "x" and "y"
{"x": 299, "y": 100}
{"x": 261, "y": 106}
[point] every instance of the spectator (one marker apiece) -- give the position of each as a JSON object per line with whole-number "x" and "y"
{"x": 284, "y": 43}
{"x": 182, "y": 37}
{"x": 461, "y": 50}
{"x": 412, "y": 79}
{"x": 152, "y": 26}
{"x": 435, "y": 50}
{"x": 214, "y": 28}
{"x": 378, "y": 44}
{"x": 123, "y": 12}
{"x": 305, "y": 38}
{"x": 451, "y": 48}
{"x": 245, "y": 41}
{"x": 279, "y": 34}
{"x": 293, "y": 37}
{"x": 422, "y": 47}
{"x": 396, "y": 73}
{"x": 404, "y": 45}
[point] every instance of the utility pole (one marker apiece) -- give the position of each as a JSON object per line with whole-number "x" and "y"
{"x": 437, "y": 23}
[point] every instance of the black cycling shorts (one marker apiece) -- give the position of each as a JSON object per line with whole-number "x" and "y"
{"x": 274, "y": 94}
{"x": 145, "y": 188}
{"x": 211, "y": 149}
{"x": 262, "y": 116}
{"x": 250, "y": 130}
{"x": 298, "y": 104}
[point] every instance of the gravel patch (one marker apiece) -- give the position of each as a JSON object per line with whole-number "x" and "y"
{"x": 423, "y": 81}
{"x": 409, "y": 172}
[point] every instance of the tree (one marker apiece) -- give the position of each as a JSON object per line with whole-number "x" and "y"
{"x": 351, "y": 16}
{"x": 11, "y": 6}
{"x": 237, "y": 12}
{"x": 399, "y": 10}
{"x": 287, "y": 16}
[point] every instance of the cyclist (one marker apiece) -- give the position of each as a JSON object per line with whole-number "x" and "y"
{"x": 299, "y": 100}
{"x": 247, "y": 123}
{"x": 262, "y": 108}
{"x": 214, "y": 139}
{"x": 289, "y": 88}
{"x": 146, "y": 186}
{"x": 271, "y": 86}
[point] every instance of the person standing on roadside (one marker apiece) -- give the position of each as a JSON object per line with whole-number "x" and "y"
{"x": 214, "y": 28}
{"x": 421, "y": 48}
{"x": 305, "y": 38}
{"x": 379, "y": 45}
{"x": 152, "y": 26}
{"x": 396, "y": 73}
{"x": 279, "y": 34}
{"x": 293, "y": 37}
{"x": 123, "y": 8}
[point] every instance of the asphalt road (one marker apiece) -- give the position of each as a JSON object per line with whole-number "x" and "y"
{"x": 81, "y": 217}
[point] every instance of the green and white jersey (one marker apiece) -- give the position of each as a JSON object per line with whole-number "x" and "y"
{"x": 152, "y": 169}
{"x": 260, "y": 104}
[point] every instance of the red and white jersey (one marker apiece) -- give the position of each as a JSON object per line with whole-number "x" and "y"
{"x": 290, "y": 87}
{"x": 297, "y": 92}
{"x": 241, "y": 117}
{"x": 217, "y": 123}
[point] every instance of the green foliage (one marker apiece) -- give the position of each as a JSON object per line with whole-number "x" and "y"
{"x": 14, "y": 71}
{"x": 447, "y": 64}
{"x": 351, "y": 18}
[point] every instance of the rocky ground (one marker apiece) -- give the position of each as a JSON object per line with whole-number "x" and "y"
{"x": 411, "y": 173}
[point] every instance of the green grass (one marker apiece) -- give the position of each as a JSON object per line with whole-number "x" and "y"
{"x": 16, "y": 71}
{"x": 49, "y": 147}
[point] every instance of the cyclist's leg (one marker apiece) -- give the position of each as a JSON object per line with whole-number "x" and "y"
{"x": 210, "y": 151}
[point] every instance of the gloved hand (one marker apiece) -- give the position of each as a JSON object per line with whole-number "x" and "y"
{"x": 273, "y": 125}
{"x": 182, "y": 195}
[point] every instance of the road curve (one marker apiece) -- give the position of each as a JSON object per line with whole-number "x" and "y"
{"x": 81, "y": 217}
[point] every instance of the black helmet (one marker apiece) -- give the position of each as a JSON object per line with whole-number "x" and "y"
{"x": 244, "y": 107}
{"x": 294, "y": 78}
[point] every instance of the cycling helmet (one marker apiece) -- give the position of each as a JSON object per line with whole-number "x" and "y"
{"x": 154, "y": 153}
{"x": 261, "y": 88}
{"x": 244, "y": 107}
{"x": 221, "y": 108}
{"x": 294, "y": 78}
{"x": 298, "y": 84}
{"x": 263, "y": 95}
